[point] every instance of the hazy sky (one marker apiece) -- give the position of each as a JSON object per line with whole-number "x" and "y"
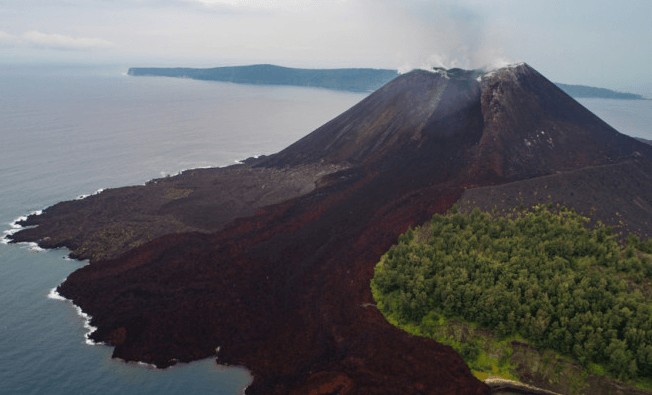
{"x": 596, "y": 42}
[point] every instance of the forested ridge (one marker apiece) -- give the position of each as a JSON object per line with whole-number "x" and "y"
{"x": 544, "y": 274}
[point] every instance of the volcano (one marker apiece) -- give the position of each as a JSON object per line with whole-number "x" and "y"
{"x": 267, "y": 264}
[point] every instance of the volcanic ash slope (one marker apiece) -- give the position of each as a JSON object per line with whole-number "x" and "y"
{"x": 280, "y": 281}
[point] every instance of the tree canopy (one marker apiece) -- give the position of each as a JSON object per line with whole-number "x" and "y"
{"x": 545, "y": 274}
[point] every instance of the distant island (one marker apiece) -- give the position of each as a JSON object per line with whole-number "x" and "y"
{"x": 354, "y": 80}
{"x": 583, "y": 91}
{"x": 351, "y": 79}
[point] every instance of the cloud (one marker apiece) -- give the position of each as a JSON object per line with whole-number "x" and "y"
{"x": 404, "y": 34}
{"x": 63, "y": 42}
{"x": 37, "y": 39}
{"x": 453, "y": 34}
{"x": 248, "y": 5}
{"x": 302, "y": 33}
{"x": 7, "y": 39}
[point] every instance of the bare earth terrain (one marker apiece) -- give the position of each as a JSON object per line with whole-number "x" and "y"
{"x": 269, "y": 262}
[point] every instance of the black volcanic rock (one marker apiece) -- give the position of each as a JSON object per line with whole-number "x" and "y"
{"x": 619, "y": 195}
{"x": 419, "y": 107}
{"x": 284, "y": 290}
{"x": 108, "y": 224}
{"x": 646, "y": 141}
{"x": 532, "y": 128}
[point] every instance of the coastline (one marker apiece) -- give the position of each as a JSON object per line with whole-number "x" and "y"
{"x": 290, "y": 275}
{"x": 496, "y": 384}
{"x": 54, "y": 295}
{"x": 15, "y": 227}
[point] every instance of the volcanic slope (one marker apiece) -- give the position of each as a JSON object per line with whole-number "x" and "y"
{"x": 285, "y": 292}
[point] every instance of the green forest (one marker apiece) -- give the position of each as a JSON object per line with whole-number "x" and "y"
{"x": 546, "y": 275}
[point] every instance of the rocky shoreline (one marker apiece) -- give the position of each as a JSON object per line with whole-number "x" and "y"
{"x": 107, "y": 224}
{"x": 271, "y": 260}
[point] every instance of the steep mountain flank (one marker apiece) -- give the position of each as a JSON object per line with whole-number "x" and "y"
{"x": 618, "y": 195}
{"x": 281, "y": 286}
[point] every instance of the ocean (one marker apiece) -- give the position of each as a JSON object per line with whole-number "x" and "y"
{"x": 68, "y": 131}
{"x": 631, "y": 117}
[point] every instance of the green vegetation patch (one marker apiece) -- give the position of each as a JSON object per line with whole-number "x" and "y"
{"x": 484, "y": 283}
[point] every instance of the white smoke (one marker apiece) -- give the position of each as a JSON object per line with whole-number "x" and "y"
{"x": 403, "y": 34}
{"x": 453, "y": 34}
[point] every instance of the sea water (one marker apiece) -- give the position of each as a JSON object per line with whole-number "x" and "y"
{"x": 69, "y": 131}
{"x": 632, "y": 117}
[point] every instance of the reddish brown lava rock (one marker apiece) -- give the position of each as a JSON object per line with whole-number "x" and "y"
{"x": 285, "y": 292}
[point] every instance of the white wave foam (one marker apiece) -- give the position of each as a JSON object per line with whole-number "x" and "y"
{"x": 6, "y": 233}
{"x": 33, "y": 247}
{"x": 85, "y": 195}
{"x": 15, "y": 224}
{"x": 53, "y": 294}
{"x": 15, "y": 227}
{"x": 87, "y": 324}
{"x": 146, "y": 365}
{"x": 240, "y": 161}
